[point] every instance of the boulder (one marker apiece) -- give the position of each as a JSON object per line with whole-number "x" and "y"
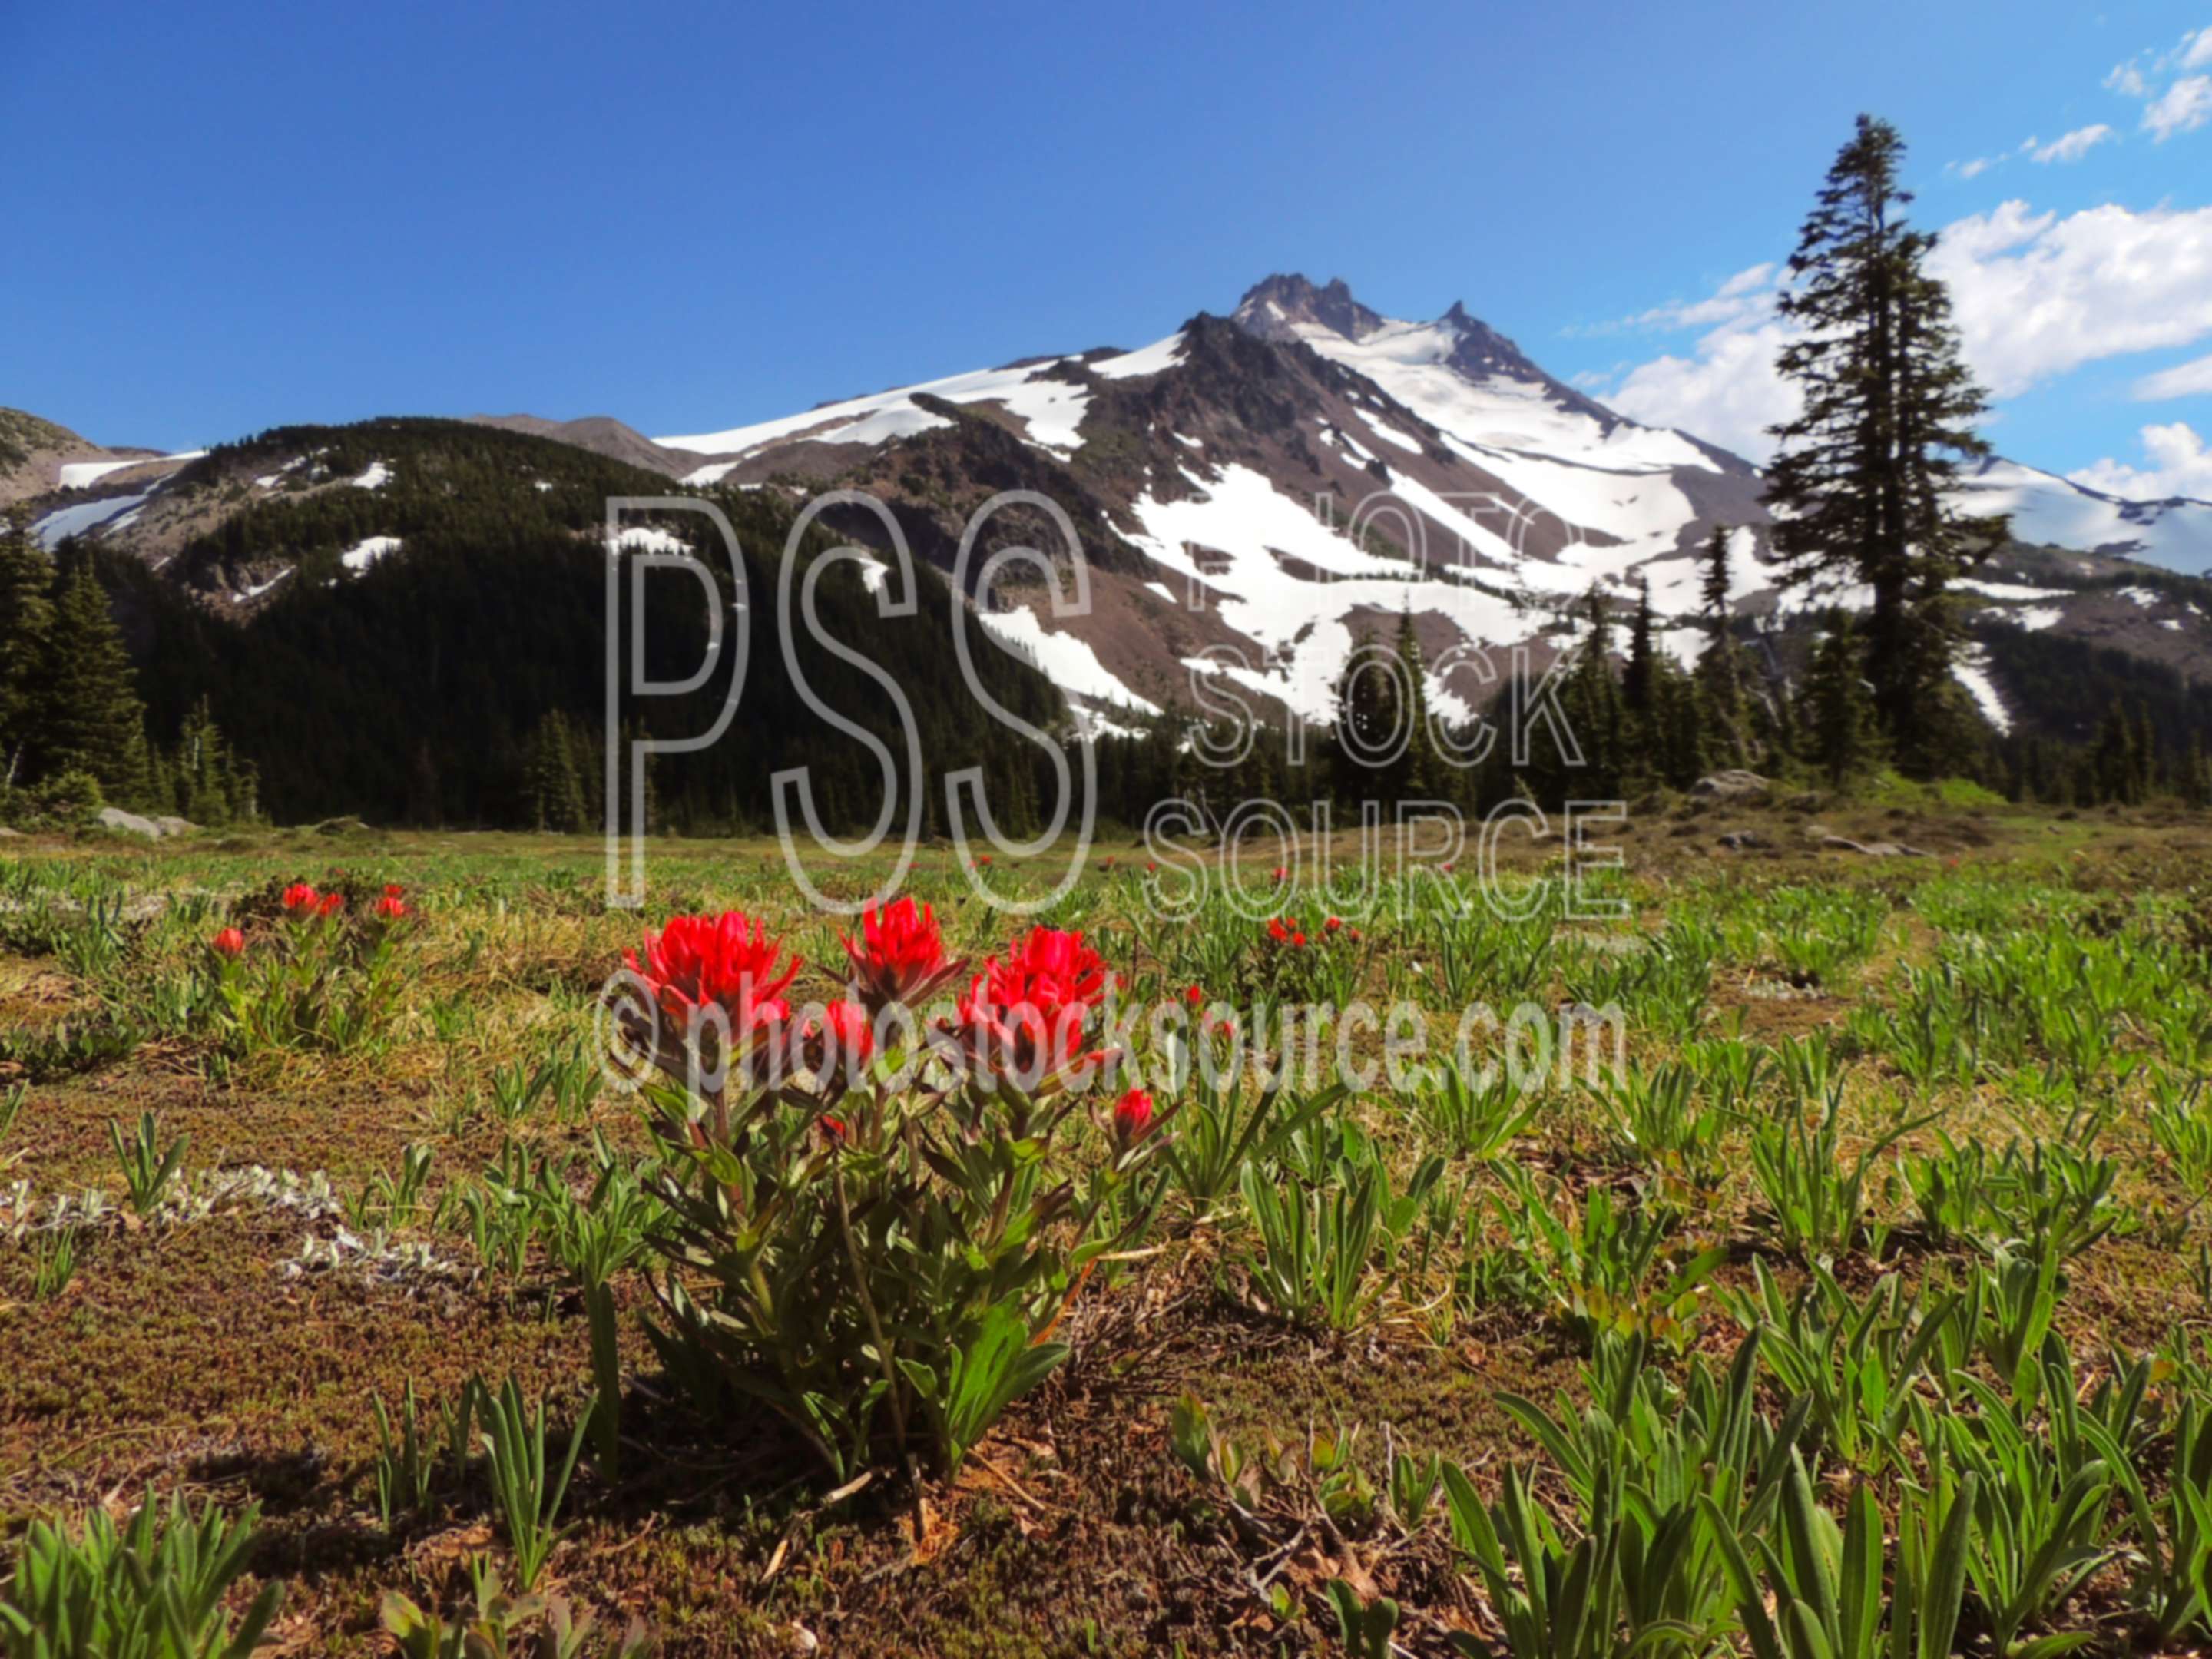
{"x": 1872, "y": 849}
{"x": 114, "y": 817}
{"x": 1732, "y": 784}
{"x": 1740, "y": 840}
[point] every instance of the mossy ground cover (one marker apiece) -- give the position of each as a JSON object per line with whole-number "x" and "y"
{"x": 230, "y": 1346}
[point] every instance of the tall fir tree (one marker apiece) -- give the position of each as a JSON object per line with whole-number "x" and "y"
{"x": 1838, "y": 714}
{"x": 1590, "y": 700}
{"x": 92, "y": 720}
{"x": 1413, "y": 777}
{"x": 205, "y": 781}
{"x": 1367, "y": 713}
{"x": 1862, "y": 481}
{"x": 1637, "y": 681}
{"x": 1720, "y": 672}
{"x": 553, "y": 785}
{"x": 27, "y": 620}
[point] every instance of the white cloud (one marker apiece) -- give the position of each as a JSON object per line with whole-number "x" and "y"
{"x": 2181, "y": 465}
{"x": 1727, "y": 392}
{"x": 1749, "y": 279}
{"x": 1743, "y": 293}
{"x": 2035, "y": 296}
{"x": 2071, "y": 148}
{"x": 1975, "y": 169}
{"x": 2182, "y": 107}
{"x": 2183, "y": 380}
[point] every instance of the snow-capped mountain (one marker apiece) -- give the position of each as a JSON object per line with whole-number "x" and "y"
{"x": 1253, "y": 494}
{"x": 2050, "y": 511}
{"x": 1256, "y": 491}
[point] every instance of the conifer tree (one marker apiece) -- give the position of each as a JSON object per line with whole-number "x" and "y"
{"x": 1413, "y": 775}
{"x": 1680, "y": 720}
{"x": 1591, "y": 704}
{"x": 1720, "y": 672}
{"x": 27, "y": 616}
{"x": 1367, "y": 713}
{"x": 1863, "y": 477}
{"x": 1839, "y": 713}
{"x": 92, "y": 720}
{"x": 206, "y": 781}
{"x": 556, "y": 788}
{"x": 1637, "y": 681}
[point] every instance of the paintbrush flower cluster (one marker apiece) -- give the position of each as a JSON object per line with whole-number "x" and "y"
{"x": 882, "y": 1204}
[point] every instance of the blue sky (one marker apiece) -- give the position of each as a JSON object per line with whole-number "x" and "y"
{"x": 231, "y": 217}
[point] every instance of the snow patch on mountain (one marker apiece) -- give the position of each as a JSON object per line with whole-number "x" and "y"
{"x": 2045, "y": 508}
{"x": 76, "y": 475}
{"x": 647, "y": 538}
{"x": 1049, "y": 408}
{"x": 1068, "y": 662}
{"x": 1971, "y": 671}
{"x": 1155, "y": 359}
{"x": 1239, "y": 540}
{"x": 1412, "y": 361}
{"x": 367, "y": 551}
{"x": 60, "y": 525}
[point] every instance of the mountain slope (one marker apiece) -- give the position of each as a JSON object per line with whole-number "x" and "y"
{"x": 1252, "y": 495}
{"x": 602, "y": 434}
{"x": 382, "y": 616}
{"x": 38, "y": 456}
{"x": 1267, "y": 487}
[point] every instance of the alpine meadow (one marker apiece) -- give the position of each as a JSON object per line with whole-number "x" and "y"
{"x": 1295, "y": 987}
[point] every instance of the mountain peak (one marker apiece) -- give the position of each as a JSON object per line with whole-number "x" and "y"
{"x": 1483, "y": 351}
{"x": 1273, "y": 307}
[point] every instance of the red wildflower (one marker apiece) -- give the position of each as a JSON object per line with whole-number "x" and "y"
{"x": 1280, "y": 873}
{"x": 850, "y": 1035}
{"x": 833, "y": 1127}
{"x": 299, "y": 896}
{"x": 329, "y": 903}
{"x": 901, "y": 955}
{"x": 727, "y": 962}
{"x": 1195, "y": 995}
{"x": 1276, "y": 930}
{"x": 1026, "y": 1010}
{"x": 1298, "y": 941}
{"x": 1132, "y": 1115}
{"x": 391, "y": 907}
{"x": 1333, "y": 923}
{"x": 393, "y": 889}
{"x": 228, "y": 943}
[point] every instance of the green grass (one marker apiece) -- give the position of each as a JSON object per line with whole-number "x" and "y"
{"x": 226, "y": 1343}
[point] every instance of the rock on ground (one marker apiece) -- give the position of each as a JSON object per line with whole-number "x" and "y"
{"x": 1730, "y": 784}
{"x": 114, "y": 817}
